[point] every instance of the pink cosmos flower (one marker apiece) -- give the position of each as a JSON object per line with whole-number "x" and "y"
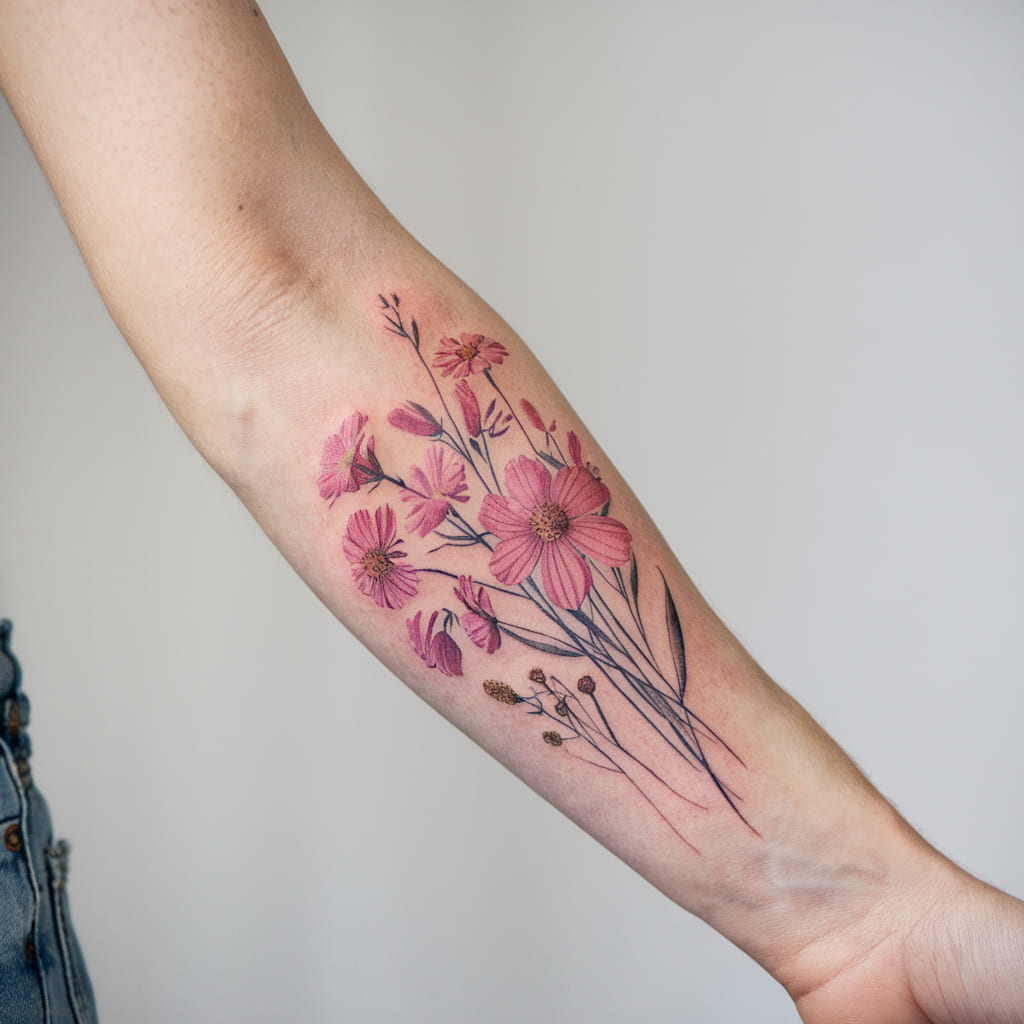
{"x": 470, "y": 407}
{"x": 374, "y": 550}
{"x": 478, "y": 620}
{"x": 473, "y": 353}
{"x": 432, "y": 492}
{"x": 414, "y": 419}
{"x": 343, "y": 467}
{"x": 438, "y": 650}
{"x": 552, "y": 521}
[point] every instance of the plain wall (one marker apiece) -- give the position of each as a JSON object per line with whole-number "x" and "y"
{"x": 773, "y": 254}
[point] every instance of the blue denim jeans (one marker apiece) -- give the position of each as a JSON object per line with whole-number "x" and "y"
{"x": 42, "y": 974}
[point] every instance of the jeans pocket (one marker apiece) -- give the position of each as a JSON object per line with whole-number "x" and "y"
{"x": 75, "y": 975}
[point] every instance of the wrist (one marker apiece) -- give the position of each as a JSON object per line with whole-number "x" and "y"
{"x": 851, "y": 900}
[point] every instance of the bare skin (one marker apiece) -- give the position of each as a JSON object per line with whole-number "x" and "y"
{"x": 251, "y": 289}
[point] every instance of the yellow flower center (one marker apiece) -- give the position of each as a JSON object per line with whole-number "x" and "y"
{"x": 377, "y": 564}
{"x": 467, "y": 352}
{"x": 549, "y": 522}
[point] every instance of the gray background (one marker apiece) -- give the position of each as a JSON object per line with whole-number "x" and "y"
{"x": 773, "y": 254}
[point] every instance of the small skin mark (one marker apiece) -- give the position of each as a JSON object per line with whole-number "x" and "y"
{"x": 241, "y": 207}
{"x": 255, "y": 12}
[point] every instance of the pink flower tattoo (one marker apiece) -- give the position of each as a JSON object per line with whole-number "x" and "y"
{"x": 414, "y": 419}
{"x": 470, "y": 407}
{"x": 473, "y": 353}
{"x": 552, "y": 522}
{"x": 438, "y": 650}
{"x": 343, "y": 466}
{"x": 432, "y": 491}
{"x": 374, "y": 551}
{"x": 535, "y": 418}
{"x": 478, "y": 620}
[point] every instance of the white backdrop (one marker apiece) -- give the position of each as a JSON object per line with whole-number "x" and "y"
{"x": 773, "y": 254}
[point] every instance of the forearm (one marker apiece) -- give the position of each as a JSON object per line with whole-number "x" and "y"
{"x": 254, "y": 306}
{"x": 731, "y": 800}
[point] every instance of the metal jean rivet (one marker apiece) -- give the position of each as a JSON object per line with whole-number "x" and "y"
{"x": 14, "y": 721}
{"x": 12, "y": 839}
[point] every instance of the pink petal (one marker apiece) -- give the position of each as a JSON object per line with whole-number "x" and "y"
{"x": 352, "y": 425}
{"x": 493, "y": 350}
{"x": 603, "y": 539}
{"x": 514, "y": 558}
{"x": 413, "y": 628}
{"x": 446, "y": 655}
{"x": 503, "y": 517}
{"x": 531, "y": 413}
{"x": 367, "y": 467}
{"x": 566, "y": 576}
{"x": 528, "y": 482}
{"x": 427, "y": 515}
{"x": 483, "y": 600}
{"x": 418, "y": 484}
{"x": 386, "y": 526}
{"x": 464, "y": 591}
{"x": 575, "y": 452}
{"x": 576, "y": 491}
{"x": 470, "y": 407}
{"x": 360, "y": 532}
{"x": 482, "y": 632}
{"x": 414, "y": 419}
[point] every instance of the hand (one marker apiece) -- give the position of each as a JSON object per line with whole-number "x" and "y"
{"x": 954, "y": 955}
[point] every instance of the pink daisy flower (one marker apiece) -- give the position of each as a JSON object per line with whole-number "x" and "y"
{"x": 343, "y": 467}
{"x": 478, "y": 620}
{"x": 432, "y": 491}
{"x": 472, "y": 353}
{"x": 552, "y": 521}
{"x": 374, "y": 550}
{"x": 438, "y": 650}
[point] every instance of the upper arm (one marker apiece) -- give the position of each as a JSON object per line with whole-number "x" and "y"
{"x": 203, "y": 191}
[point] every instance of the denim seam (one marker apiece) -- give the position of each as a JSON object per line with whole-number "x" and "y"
{"x": 27, "y": 854}
{"x": 58, "y": 894}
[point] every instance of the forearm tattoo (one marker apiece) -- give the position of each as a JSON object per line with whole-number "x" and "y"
{"x": 520, "y": 549}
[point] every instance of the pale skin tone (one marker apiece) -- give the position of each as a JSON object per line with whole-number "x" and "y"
{"x": 242, "y": 258}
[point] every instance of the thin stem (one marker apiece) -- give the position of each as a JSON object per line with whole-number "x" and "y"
{"x": 467, "y": 455}
{"x": 490, "y": 461}
{"x": 515, "y": 415}
{"x": 490, "y": 586}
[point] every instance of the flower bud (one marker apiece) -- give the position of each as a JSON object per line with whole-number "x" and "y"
{"x": 414, "y": 419}
{"x": 470, "y": 407}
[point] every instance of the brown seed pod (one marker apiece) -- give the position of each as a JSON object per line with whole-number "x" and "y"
{"x": 562, "y": 708}
{"x": 553, "y": 738}
{"x": 586, "y": 685}
{"x": 537, "y": 676}
{"x": 501, "y": 692}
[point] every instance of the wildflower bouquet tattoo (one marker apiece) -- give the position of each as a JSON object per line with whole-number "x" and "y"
{"x": 529, "y": 553}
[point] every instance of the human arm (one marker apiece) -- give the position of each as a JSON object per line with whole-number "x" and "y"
{"x": 647, "y": 569}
